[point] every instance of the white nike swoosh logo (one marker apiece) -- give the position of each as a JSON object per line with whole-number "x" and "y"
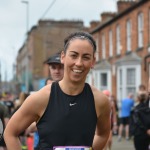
{"x": 71, "y": 104}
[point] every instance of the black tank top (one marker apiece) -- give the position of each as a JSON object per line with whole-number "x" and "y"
{"x": 68, "y": 120}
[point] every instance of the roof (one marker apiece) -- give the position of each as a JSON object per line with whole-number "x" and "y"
{"x": 118, "y": 16}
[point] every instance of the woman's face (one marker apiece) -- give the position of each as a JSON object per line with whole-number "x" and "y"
{"x": 78, "y": 59}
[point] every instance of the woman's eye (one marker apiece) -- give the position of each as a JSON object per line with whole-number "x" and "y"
{"x": 73, "y": 56}
{"x": 86, "y": 58}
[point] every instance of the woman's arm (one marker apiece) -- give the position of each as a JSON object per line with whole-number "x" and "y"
{"x": 30, "y": 111}
{"x": 114, "y": 115}
{"x": 103, "y": 123}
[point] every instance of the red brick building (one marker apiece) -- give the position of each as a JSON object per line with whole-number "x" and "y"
{"x": 123, "y": 46}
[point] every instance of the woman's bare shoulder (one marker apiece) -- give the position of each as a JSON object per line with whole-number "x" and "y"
{"x": 38, "y": 100}
{"x": 101, "y": 101}
{"x": 42, "y": 94}
{"x": 98, "y": 95}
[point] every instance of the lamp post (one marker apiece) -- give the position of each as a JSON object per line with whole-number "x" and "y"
{"x": 27, "y": 58}
{"x": 27, "y": 11}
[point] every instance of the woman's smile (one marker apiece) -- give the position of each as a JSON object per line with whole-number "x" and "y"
{"x": 77, "y": 71}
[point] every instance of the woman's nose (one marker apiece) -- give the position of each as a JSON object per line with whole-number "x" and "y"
{"x": 79, "y": 62}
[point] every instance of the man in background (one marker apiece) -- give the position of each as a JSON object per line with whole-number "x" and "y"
{"x": 125, "y": 110}
{"x": 56, "y": 69}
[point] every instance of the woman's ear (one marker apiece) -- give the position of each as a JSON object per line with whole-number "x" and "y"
{"x": 62, "y": 57}
{"x": 92, "y": 66}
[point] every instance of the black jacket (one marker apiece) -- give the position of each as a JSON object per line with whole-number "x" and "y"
{"x": 140, "y": 120}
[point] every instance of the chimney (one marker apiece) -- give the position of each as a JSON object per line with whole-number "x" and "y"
{"x": 105, "y": 16}
{"x": 94, "y": 24}
{"x": 124, "y": 4}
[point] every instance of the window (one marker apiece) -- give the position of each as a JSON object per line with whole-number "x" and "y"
{"x": 128, "y": 27}
{"x": 118, "y": 40}
{"x": 140, "y": 30}
{"x": 128, "y": 80}
{"x": 102, "y": 79}
{"x": 110, "y": 44}
{"x": 131, "y": 80}
{"x": 120, "y": 74}
{"x": 97, "y": 50}
{"x": 103, "y": 47}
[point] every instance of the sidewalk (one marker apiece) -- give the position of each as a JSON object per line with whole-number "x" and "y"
{"x": 122, "y": 145}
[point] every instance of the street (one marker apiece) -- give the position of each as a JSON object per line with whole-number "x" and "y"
{"x": 122, "y": 145}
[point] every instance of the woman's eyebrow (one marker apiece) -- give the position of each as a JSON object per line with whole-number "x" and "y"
{"x": 73, "y": 52}
{"x": 78, "y": 53}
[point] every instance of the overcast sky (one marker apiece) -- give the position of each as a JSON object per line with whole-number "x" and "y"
{"x": 13, "y": 21}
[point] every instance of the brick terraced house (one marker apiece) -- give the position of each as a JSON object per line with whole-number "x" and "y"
{"x": 123, "y": 48}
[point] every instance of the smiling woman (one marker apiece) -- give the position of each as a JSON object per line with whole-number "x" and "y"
{"x": 70, "y": 113}
{"x": 78, "y": 55}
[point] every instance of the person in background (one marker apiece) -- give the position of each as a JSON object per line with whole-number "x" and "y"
{"x": 113, "y": 119}
{"x": 48, "y": 81}
{"x": 69, "y": 112}
{"x": 4, "y": 116}
{"x": 56, "y": 68}
{"x": 8, "y": 102}
{"x": 19, "y": 102}
{"x": 113, "y": 98}
{"x": 140, "y": 122}
{"x": 126, "y": 107}
{"x": 142, "y": 87}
